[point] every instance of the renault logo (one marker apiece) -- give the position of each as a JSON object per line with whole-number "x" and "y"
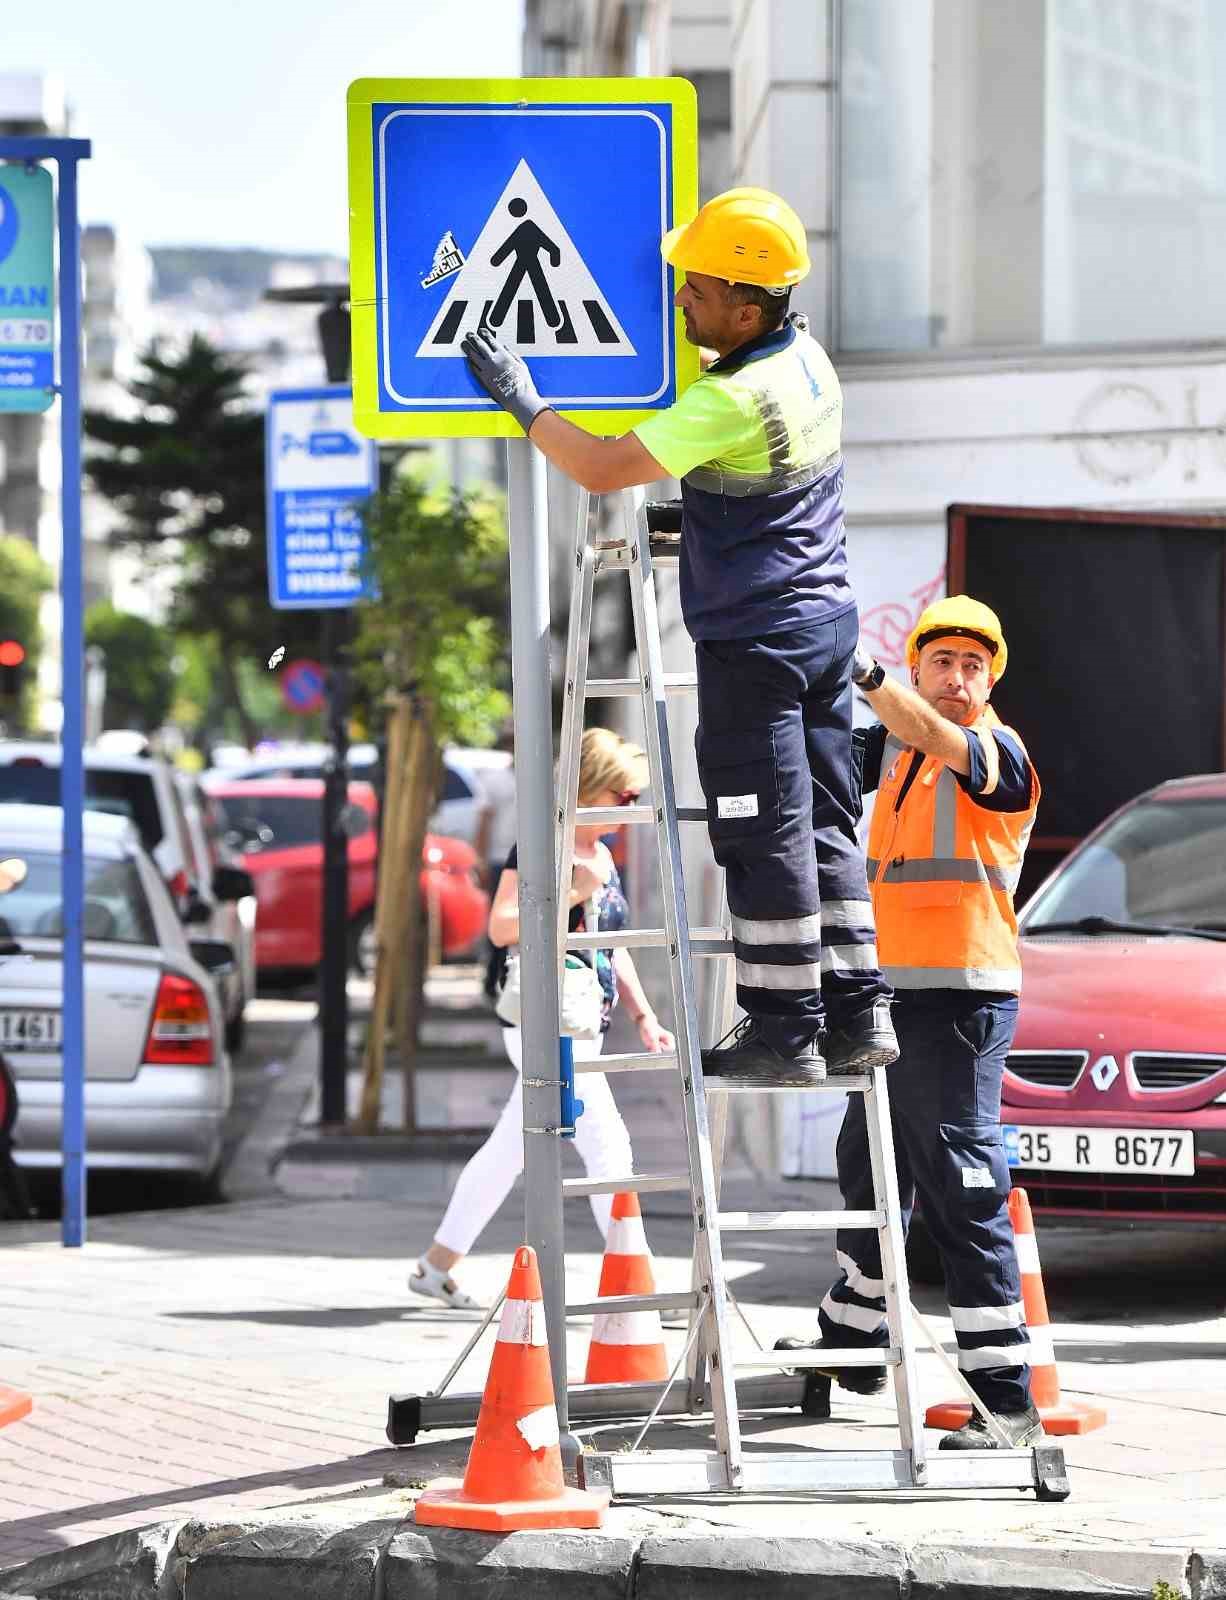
{"x": 1104, "y": 1072}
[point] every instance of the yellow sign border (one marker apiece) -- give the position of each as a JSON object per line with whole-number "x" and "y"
{"x": 363, "y": 93}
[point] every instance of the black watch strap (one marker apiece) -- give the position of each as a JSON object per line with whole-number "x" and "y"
{"x": 872, "y": 680}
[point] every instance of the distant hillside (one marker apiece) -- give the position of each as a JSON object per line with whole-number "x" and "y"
{"x": 243, "y": 273}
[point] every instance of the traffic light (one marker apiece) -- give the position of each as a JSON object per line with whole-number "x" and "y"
{"x": 12, "y": 664}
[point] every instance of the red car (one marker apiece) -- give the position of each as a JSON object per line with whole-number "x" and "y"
{"x": 276, "y": 824}
{"x": 1115, "y": 1093}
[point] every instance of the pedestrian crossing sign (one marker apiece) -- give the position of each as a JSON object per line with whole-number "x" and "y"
{"x": 532, "y": 206}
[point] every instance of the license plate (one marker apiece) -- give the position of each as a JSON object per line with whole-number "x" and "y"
{"x": 29, "y": 1030}
{"x": 1156, "y": 1150}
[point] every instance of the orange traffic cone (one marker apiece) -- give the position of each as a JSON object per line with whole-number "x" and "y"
{"x": 1059, "y": 1415}
{"x": 13, "y": 1405}
{"x": 514, "y": 1473}
{"x": 627, "y": 1346}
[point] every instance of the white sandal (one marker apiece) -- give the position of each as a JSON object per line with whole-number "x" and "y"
{"x": 429, "y": 1282}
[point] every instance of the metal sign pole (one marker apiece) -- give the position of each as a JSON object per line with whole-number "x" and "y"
{"x": 538, "y": 941}
{"x": 66, "y": 153}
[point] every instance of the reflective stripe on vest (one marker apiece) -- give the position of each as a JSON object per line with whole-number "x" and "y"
{"x": 943, "y": 872}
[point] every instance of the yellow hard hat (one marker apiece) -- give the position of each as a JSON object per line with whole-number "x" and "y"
{"x": 961, "y": 617}
{"x": 742, "y": 236}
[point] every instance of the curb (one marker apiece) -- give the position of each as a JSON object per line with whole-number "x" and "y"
{"x": 392, "y": 1559}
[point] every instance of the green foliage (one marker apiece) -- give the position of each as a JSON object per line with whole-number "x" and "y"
{"x": 186, "y": 474}
{"x": 1162, "y": 1590}
{"x": 24, "y": 578}
{"x": 139, "y": 678}
{"x": 440, "y": 563}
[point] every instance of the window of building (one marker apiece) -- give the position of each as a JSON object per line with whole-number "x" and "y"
{"x": 1048, "y": 173}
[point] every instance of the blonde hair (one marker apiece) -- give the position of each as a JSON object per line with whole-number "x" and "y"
{"x": 607, "y": 761}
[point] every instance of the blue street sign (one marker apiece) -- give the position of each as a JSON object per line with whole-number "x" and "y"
{"x": 27, "y": 288}
{"x": 533, "y": 206}
{"x": 318, "y": 472}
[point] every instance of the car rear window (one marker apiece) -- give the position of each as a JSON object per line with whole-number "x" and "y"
{"x": 280, "y": 821}
{"x": 116, "y": 909}
{"x": 122, "y": 794}
{"x": 455, "y": 786}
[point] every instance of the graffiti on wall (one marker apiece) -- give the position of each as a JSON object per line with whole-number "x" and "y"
{"x": 885, "y": 627}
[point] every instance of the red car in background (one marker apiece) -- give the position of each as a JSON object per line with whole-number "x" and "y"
{"x": 1115, "y": 1091}
{"x": 277, "y": 826}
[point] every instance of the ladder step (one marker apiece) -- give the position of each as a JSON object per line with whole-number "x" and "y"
{"x": 627, "y": 688}
{"x": 614, "y": 816}
{"x": 843, "y": 1084}
{"x": 783, "y": 1221}
{"x": 823, "y": 1361}
{"x": 645, "y": 938}
{"x": 640, "y": 1061}
{"x": 633, "y": 1184}
{"x": 611, "y": 1303}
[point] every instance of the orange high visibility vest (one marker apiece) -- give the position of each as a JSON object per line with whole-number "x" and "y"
{"x": 943, "y": 871}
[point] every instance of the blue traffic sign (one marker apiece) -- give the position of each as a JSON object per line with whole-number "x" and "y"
{"x": 537, "y": 212}
{"x": 318, "y": 472}
{"x": 27, "y": 289}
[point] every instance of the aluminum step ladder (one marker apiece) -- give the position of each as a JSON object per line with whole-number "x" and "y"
{"x": 717, "y": 1381}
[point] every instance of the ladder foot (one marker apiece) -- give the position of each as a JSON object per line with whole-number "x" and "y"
{"x": 816, "y": 1401}
{"x": 1050, "y": 1474}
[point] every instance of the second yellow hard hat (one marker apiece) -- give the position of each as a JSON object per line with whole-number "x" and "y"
{"x": 960, "y": 616}
{"x": 742, "y": 236}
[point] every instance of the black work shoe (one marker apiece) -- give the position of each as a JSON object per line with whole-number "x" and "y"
{"x": 744, "y": 1056}
{"x": 865, "y": 1040}
{"x": 860, "y": 1380}
{"x": 1021, "y": 1427}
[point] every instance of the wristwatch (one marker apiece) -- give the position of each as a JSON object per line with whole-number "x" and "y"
{"x": 872, "y": 679}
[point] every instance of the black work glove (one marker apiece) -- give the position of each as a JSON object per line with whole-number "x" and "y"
{"x": 504, "y": 376}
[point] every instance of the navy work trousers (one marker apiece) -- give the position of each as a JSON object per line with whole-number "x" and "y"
{"x": 945, "y": 1109}
{"x": 775, "y": 760}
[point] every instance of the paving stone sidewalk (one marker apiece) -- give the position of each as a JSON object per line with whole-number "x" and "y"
{"x": 210, "y": 1372}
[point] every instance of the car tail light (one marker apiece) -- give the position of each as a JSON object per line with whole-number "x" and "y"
{"x": 180, "y": 1033}
{"x": 178, "y": 885}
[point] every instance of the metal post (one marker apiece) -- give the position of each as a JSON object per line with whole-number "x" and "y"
{"x": 538, "y": 946}
{"x": 72, "y": 770}
{"x": 334, "y": 946}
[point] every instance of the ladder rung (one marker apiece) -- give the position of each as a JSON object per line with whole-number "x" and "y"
{"x": 627, "y": 688}
{"x": 823, "y": 1361}
{"x": 634, "y": 1302}
{"x": 640, "y": 1061}
{"x": 633, "y": 1184}
{"x": 781, "y": 1221}
{"x": 613, "y": 816}
{"x": 643, "y": 938}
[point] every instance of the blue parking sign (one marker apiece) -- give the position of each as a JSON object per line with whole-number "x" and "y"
{"x": 532, "y": 206}
{"x": 318, "y": 473}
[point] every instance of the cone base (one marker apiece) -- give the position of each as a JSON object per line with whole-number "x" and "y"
{"x": 13, "y": 1405}
{"x": 445, "y": 1505}
{"x": 1064, "y": 1418}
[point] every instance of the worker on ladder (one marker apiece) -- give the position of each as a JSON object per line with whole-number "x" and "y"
{"x": 956, "y": 800}
{"x": 756, "y": 443}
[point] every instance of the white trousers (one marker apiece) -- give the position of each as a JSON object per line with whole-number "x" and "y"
{"x": 600, "y": 1138}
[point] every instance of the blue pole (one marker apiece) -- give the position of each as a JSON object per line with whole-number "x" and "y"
{"x": 72, "y": 770}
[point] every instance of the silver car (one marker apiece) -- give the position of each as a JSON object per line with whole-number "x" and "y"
{"x": 157, "y": 1075}
{"x": 215, "y": 907}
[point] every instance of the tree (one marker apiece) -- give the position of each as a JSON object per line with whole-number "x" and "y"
{"x": 432, "y": 650}
{"x": 186, "y": 473}
{"x": 139, "y": 678}
{"x": 24, "y": 578}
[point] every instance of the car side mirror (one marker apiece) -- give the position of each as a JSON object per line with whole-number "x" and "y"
{"x": 216, "y": 956}
{"x": 232, "y": 883}
{"x": 197, "y": 909}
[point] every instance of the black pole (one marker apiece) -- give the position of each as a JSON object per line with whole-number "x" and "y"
{"x": 333, "y": 972}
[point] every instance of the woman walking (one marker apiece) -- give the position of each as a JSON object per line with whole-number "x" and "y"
{"x": 611, "y": 773}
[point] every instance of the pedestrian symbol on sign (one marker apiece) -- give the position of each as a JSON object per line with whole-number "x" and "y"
{"x": 525, "y": 259}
